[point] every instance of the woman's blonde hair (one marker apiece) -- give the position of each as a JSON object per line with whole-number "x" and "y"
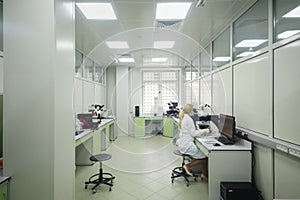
{"x": 186, "y": 109}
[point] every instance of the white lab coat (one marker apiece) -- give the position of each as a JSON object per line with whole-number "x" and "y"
{"x": 186, "y": 138}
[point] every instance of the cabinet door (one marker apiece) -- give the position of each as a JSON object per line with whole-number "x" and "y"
{"x": 3, "y": 191}
{"x": 97, "y": 142}
{"x": 168, "y": 127}
{"x": 139, "y": 127}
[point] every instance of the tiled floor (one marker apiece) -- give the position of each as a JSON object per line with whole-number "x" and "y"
{"x": 154, "y": 185}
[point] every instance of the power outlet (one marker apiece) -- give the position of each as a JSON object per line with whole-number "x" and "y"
{"x": 294, "y": 152}
{"x": 282, "y": 148}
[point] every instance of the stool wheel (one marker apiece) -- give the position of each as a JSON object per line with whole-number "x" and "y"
{"x": 110, "y": 189}
{"x": 85, "y": 187}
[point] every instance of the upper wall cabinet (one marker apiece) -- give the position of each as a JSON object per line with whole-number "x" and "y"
{"x": 253, "y": 94}
{"x": 287, "y": 92}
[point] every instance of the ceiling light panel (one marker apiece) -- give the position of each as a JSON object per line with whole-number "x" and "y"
{"x": 126, "y": 60}
{"x": 287, "y": 34}
{"x": 100, "y": 11}
{"x": 295, "y": 13}
{"x": 117, "y": 44}
{"x": 164, "y": 44}
{"x": 172, "y": 11}
{"x": 159, "y": 59}
{"x": 250, "y": 43}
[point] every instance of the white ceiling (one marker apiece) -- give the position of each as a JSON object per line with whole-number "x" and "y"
{"x": 136, "y": 24}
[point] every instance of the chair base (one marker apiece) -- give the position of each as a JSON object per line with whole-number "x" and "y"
{"x": 180, "y": 172}
{"x": 100, "y": 178}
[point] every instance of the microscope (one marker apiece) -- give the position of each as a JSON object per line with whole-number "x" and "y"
{"x": 173, "y": 109}
{"x": 96, "y": 112}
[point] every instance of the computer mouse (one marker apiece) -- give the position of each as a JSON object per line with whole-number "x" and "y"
{"x": 216, "y": 144}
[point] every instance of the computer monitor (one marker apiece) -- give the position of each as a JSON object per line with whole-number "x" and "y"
{"x": 227, "y": 126}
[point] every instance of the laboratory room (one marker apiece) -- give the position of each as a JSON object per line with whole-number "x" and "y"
{"x": 149, "y": 100}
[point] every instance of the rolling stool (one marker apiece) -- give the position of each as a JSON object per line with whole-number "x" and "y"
{"x": 179, "y": 171}
{"x": 98, "y": 179}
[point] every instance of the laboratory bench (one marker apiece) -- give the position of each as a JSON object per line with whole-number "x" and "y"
{"x": 93, "y": 141}
{"x": 225, "y": 162}
{"x": 152, "y": 125}
{"x": 4, "y": 181}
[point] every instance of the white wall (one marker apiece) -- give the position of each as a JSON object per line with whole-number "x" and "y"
{"x": 205, "y": 90}
{"x": 195, "y": 93}
{"x": 87, "y": 93}
{"x": 111, "y": 88}
{"x": 222, "y": 92}
{"x": 122, "y": 99}
{"x": 287, "y": 176}
{"x": 252, "y": 82}
{"x": 136, "y": 95}
{"x": 39, "y": 65}
{"x": 78, "y": 96}
{"x": 263, "y": 170}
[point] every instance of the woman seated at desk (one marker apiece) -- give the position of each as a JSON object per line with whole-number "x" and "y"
{"x": 186, "y": 141}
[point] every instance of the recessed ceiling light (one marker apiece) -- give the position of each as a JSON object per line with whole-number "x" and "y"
{"x": 287, "y": 34}
{"x": 221, "y": 59}
{"x": 164, "y": 44}
{"x": 159, "y": 59}
{"x": 250, "y": 43}
{"x": 293, "y": 13}
{"x": 126, "y": 59}
{"x": 172, "y": 11}
{"x": 117, "y": 44}
{"x": 102, "y": 11}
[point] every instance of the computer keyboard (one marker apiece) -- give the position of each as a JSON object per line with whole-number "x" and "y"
{"x": 224, "y": 140}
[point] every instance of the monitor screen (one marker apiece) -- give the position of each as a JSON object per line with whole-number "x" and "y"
{"x": 227, "y": 126}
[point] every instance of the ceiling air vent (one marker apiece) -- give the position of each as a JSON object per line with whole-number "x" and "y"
{"x": 173, "y": 25}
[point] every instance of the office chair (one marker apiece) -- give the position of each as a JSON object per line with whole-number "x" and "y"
{"x": 179, "y": 171}
{"x": 100, "y": 178}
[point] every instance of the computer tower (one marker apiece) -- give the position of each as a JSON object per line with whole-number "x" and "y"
{"x": 238, "y": 191}
{"x": 137, "y": 111}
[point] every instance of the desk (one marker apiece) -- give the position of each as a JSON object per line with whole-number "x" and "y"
{"x": 94, "y": 141}
{"x": 225, "y": 163}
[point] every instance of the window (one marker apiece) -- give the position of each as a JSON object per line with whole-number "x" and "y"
{"x": 98, "y": 77}
{"x": 195, "y": 66}
{"x": 89, "y": 69}
{"x": 78, "y": 63}
{"x": 287, "y": 21}
{"x": 250, "y": 31}
{"x": 221, "y": 49}
{"x": 159, "y": 88}
{"x": 205, "y": 61}
{"x": 190, "y": 73}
